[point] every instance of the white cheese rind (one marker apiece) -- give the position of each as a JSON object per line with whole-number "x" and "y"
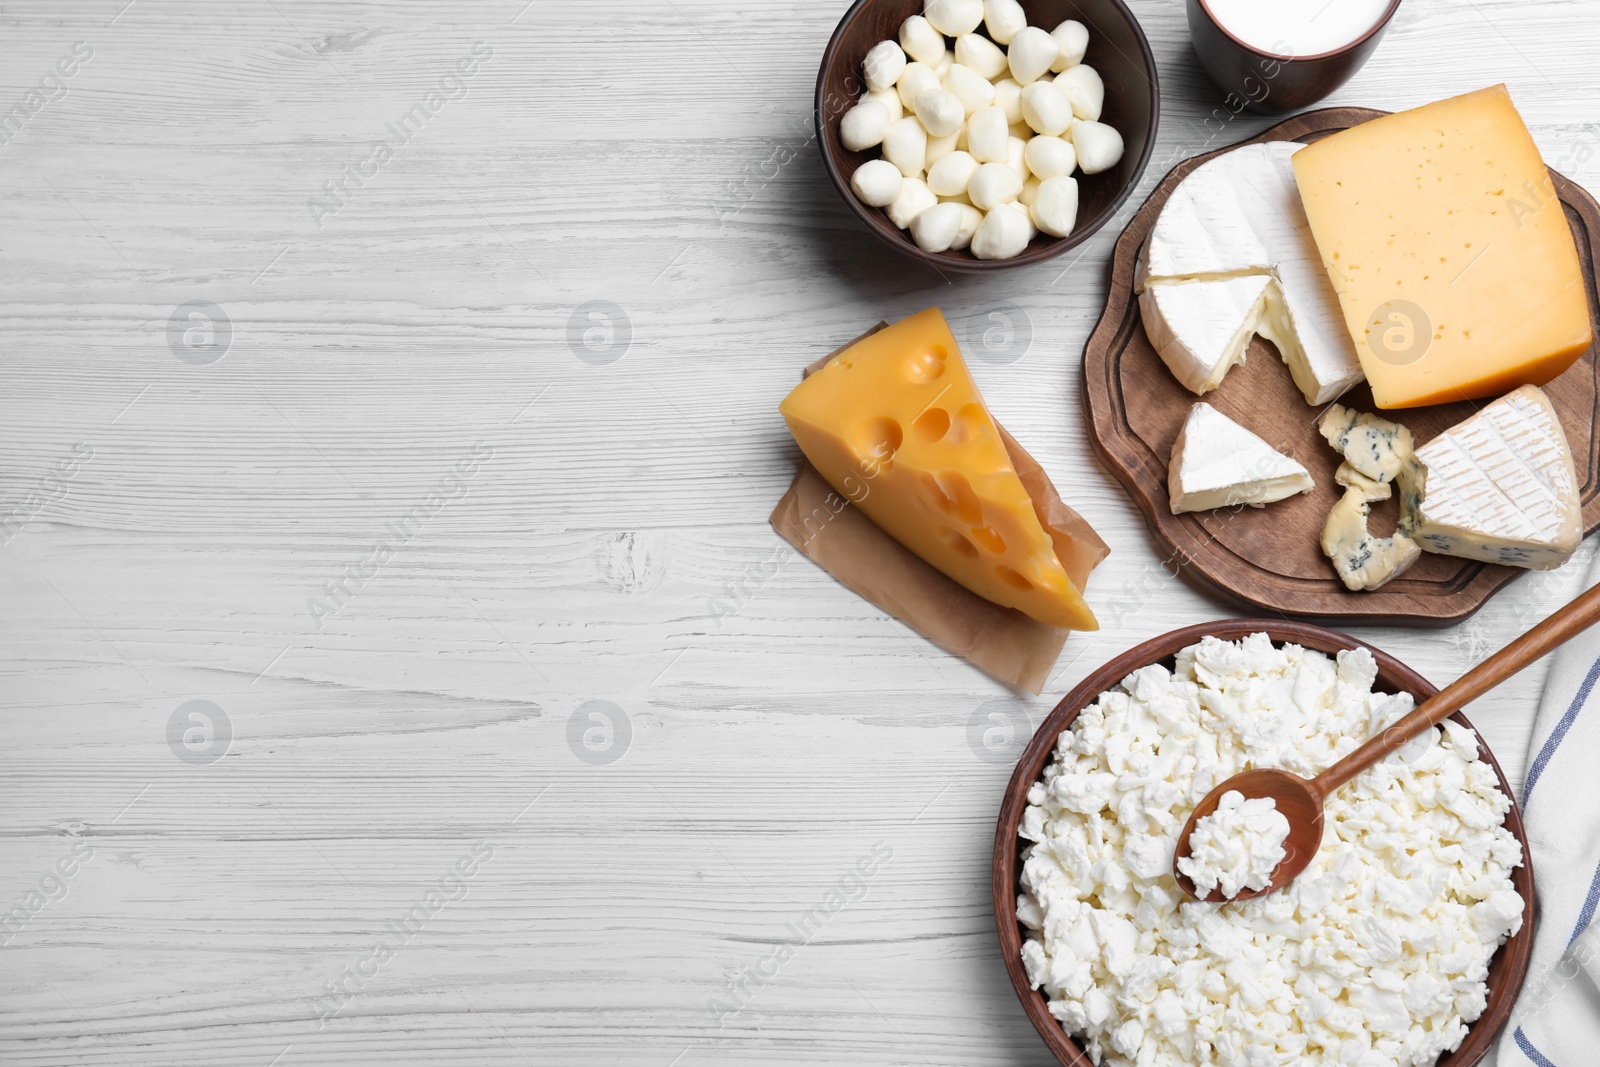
{"x": 1500, "y": 487}
{"x": 1218, "y": 463}
{"x": 1240, "y": 214}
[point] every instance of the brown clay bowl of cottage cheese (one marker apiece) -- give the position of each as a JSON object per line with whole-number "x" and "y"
{"x": 1405, "y": 942}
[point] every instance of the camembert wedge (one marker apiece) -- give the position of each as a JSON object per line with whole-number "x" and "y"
{"x": 1500, "y": 487}
{"x": 1451, "y": 254}
{"x": 1217, "y": 463}
{"x": 1202, "y": 329}
{"x": 895, "y": 423}
{"x": 1231, "y": 255}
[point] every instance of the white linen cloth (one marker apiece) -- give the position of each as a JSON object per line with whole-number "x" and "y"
{"x": 1556, "y": 1022}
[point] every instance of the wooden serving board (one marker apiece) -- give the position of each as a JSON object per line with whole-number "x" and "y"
{"x": 1270, "y": 557}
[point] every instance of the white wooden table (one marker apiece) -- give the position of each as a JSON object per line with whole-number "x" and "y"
{"x": 566, "y": 306}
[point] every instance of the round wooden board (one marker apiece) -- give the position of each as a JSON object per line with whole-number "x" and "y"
{"x": 1270, "y": 557}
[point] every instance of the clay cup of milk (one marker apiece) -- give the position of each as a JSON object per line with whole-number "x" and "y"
{"x": 1281, "y": 55}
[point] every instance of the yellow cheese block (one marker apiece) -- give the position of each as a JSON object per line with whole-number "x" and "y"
{"x": 896, "y": 424}
{"x": 1449, "y": 250}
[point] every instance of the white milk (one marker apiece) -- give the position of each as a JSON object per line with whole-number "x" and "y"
{"x": 1297, "y": 27}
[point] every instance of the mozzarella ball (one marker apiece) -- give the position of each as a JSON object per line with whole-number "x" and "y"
{"x": 1046, "y": 109}
{"x": 1030, "y": 192}
{"x": 914, "y": 199}
{"x": 884, "y": 64}
{"x": 889, "y": 99}
{"x": 906, "y": 146}
{"x": 1082, "y": 86}
{"x": 1008, "y": 97}
{"x": 1022, "y": 130}
{"x": 1050, "y": 157}
{"x": 987, "y": 134}
{"x": 954, "y": 17}
{"x": 992, "y": 184}
{"x": 950, "y": 175}
{"x": 1027, "y": 218}
{"x": 942, "y": 67}
{"x": 1031, "y": 53}
{"x": 940, "y": 111}
{"x": 959, "y": 198}
{"x": 1004, "y": 19}
{"x": 864, "y": 125}
{"x": 1016, "y": 153}
{"x": 1003, "y": 233}
{"x": 970, "y": 218}
{"x": 1055, "y": 207}
{"x": 970, "y": 87}
{"x": 939, "y": 147}
{"x": 1073, "y": 40}
{"x": 921, "y": 41}
{"x": 981, "y": 54}
{"x": 935, "y": 229}
{"x": 877, "y": 182}
{"x": 1099, "y": 146}
{"x": 915, "y": 80}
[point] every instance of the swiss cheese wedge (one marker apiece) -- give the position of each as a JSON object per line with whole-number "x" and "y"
{"x": 896, "y": 425}
{"x": 1451, "y": 254}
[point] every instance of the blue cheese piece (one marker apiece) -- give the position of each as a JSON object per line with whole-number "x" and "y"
{"x": 1379, "y": 449}
{"x": 1370, "y": 488}
{"x": 1377, "y": 454}
{"x": 1499, "y": 487}
{"x": 1362, "y": 561}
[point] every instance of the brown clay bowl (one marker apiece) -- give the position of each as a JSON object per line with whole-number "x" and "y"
{"x": 1117, "y": 50}
{"x": 1269, "y": 83}
{"x": 1506, "y": 970}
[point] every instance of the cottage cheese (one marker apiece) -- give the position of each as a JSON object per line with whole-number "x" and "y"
{"x": 1377, "y": 955}
{"x": 1238, "y": 846}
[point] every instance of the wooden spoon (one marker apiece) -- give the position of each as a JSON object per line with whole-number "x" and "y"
{"x": 1301, "y": 800}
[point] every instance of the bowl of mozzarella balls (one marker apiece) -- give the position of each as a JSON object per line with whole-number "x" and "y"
{"x": 982, "y": 134}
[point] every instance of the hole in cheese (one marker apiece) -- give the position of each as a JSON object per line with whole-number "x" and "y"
{"x": 958, "y": 543}
{"x": 875, "y": 442}
{"x": 968, "y": 425}
{"x": 986, "y": 537}
{"x": 927, "y": 365}
{"x": 934, "y": 492}
{"x": 931, "y": 425}
{"x": 963, "y": 500}
{"x": 1012, "y": 578}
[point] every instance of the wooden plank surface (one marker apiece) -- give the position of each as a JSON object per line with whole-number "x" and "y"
{"x": 603, "y": 538}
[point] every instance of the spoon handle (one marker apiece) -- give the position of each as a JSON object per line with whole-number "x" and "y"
{"x": 1565, "y": 624}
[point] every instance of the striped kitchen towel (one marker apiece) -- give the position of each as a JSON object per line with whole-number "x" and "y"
{"x": 1556, "y": 1022}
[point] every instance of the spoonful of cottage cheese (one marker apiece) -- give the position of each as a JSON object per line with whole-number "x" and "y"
{"x": 1238, "y": 846}
{"x": 1302, "y": 801}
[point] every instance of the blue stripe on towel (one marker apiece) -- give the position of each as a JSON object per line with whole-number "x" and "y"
{"x": 1589, "y": 903}
{"x": 1542, "y": 760}
{"x": 1528, "y": 1050}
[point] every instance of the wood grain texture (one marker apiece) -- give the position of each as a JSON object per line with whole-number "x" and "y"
{"x": 614, "y": 548}
{"x": 1271, "y": 558}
